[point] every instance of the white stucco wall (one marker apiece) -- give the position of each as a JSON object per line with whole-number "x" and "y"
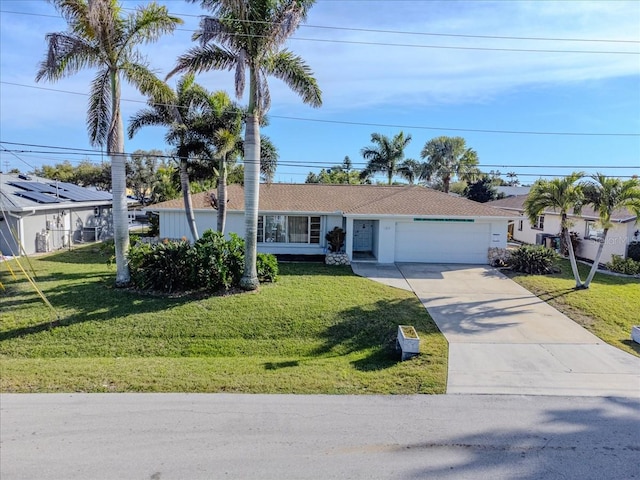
{"x": 173, "y": 224}
{"x": 616, "y": 243}
{"x": 385, "y": 236}
{"x": 528, "y": 234}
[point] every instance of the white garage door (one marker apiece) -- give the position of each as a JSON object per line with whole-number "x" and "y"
{"x": 442, "y": 242}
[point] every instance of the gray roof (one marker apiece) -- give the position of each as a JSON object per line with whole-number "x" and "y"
{"x": 20, "y": 193}
{"x": 352, "y": 200}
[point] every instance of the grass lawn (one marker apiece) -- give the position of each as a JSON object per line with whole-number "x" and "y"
{"x": 317, "y": 330}
{"x": 608, "y": 308}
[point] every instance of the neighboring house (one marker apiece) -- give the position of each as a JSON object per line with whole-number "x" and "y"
{"x": 383, "y": 224}
{"x": 509, "y": 191}
{"x": 41, "y": 215}
{"x": 624, "y": 230}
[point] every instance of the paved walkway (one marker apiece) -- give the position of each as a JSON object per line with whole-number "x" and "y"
{"x": 505, "y": 340}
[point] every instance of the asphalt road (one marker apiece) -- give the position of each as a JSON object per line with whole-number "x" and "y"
{"x": 197, "y": 436}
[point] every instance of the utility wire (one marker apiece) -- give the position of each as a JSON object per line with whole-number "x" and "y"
{"x": 327, "y": 166}
{"x": 368, "y": 124}
{"x": 415, "y": 45}
{"x": 390, "y": 32}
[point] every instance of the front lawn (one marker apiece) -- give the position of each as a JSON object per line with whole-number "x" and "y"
{"x": 608, "y": 308}
{"x": 317, "y": 330}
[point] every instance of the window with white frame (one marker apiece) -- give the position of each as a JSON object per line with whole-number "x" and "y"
{"x": 288, "y": 229}
{"x": 539, "y": 223}
{"x": 594, "y": 231}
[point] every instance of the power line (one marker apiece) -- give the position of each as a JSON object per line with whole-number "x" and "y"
{"x": 391, "y": 32}
{"x": 309, "y": 163}
{"x": 368, "y": 124}
{"x": 415, "y": 45}
{"x": 474, "y": 130}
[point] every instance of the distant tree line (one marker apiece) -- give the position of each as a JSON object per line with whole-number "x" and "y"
{"x": 447, "y": 164}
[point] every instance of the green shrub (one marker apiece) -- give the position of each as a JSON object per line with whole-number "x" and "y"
{"x": 633, "y": 251}
{"x": 267, "y": 266}
{"x": 165, "y": 267}
{"x": 154, "y": 224}
{"x": 217, "y": 263}
{"x": 627, "y": 266}
{"x": 533, "y": 259}
{"x": 210, "y": 264}
{"x": 108, "y": 248}
{"x": 336, "y": 239}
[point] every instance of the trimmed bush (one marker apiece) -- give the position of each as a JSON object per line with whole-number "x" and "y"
{"x": 533, "y": 259}
{"x": 165, "y": 267}
{"x": 627, "y": 266}
{"x": 211, "y": 264}
{"x": 633, "y": 251}
{"x": 267, "y": 266}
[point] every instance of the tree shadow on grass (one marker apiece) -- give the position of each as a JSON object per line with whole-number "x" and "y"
{"x": 632, "y": 345}
{"x": 90, "y": 299}
{"x": 372, "y": 329}
{"x": 87, "y": 254}
{"x": 279, "y": 365}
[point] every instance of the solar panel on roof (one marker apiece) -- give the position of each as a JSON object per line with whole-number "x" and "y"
{"x": 81, "y": 194}
{"x": 34, "y": 187}
{"x": 38, "y": 197}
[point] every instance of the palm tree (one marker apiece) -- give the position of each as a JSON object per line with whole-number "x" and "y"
{"x": 385, "y": 155}
{"x": 606, "y": 195}
{"x": 411, "y": 170}
{"x": 183, "y": 113}
{"x": 100, "y": 36}
{"x": 248, "y": 35}
{"x": 448, "y": 157}
{"x": 559, "y": 194}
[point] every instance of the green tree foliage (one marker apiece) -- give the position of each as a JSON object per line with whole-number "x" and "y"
{"x": 481, "y": 191}
{"x": 249, "y": 36}
{"x": 101, "y": 36}
{"x": 606, "y": 195}
{"x": 338, "y": 174}
{"x": 560, "y": 195}
{"x": 85, "y": 174}
{"x": 385, "y": 155}
{"x": 142, "y": 174}
{"x": 448, "y": 158}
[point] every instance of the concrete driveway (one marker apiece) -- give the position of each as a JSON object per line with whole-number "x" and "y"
{"x": 505, "y": 340}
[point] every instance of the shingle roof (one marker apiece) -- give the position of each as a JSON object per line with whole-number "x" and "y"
{"x": 347, "y": 199}
{"x": 517, "y": 203}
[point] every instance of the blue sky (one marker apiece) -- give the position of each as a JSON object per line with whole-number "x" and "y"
{"x": 375, "y": 81}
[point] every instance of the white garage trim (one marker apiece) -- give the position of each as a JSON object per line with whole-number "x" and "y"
{"x": 442, "y": 242}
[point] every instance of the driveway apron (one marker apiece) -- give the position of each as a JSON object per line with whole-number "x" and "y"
{"x": 505, "y": 340}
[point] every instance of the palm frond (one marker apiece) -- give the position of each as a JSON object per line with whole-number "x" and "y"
{"x": 140, "y": 76}
{"x": 204, "y": 58}
{"x": 149, "y": 23}
{"x": 295, "y": 72}
{"x": 99, "y": 109}
{"x": 66, "y": 54}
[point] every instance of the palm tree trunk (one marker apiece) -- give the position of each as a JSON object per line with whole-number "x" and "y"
{"x": 249, "y": 280}
{"x": 390, "y": 175}
{"x": 222, "y": 194}
{"x": 115, "y": 144}
{"x": 446, "y": 181}
{"x": 596, "y": 261}
{"x": 186, "y": 196}
{"x": 572, "y": 256}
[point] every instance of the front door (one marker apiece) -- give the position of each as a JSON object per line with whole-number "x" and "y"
{"x": 362, "y": 235}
